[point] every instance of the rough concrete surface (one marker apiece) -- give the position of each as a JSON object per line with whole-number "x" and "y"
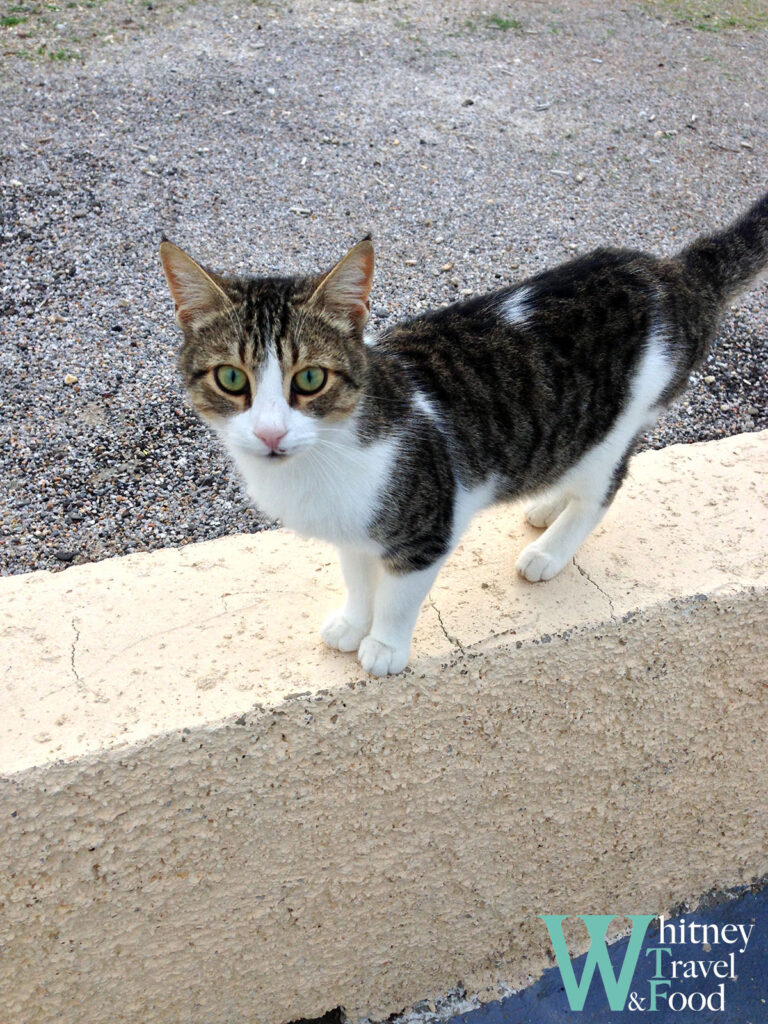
{"x": 209, "y": 817}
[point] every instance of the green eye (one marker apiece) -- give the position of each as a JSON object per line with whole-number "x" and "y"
{"x": 231, "y": 380}
{"x": 309, "y": 381}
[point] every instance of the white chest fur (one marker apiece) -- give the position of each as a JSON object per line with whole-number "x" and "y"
{"x": 330, "y": 491}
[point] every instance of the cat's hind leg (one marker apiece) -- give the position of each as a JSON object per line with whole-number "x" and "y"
{"x": 587, "y": 491}
{"x": 345, "y": 628}
{"x": 551, "y": 552}
{"x": 592, "y": 482}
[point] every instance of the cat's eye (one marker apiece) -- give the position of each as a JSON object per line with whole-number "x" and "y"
{"x": 310, "y": 380}
{"x": 231, "y": 379}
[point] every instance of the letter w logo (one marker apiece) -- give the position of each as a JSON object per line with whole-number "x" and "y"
{"x": 616, "y": 989}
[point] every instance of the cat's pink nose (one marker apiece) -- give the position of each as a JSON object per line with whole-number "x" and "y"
{"x": 271, "y": 436}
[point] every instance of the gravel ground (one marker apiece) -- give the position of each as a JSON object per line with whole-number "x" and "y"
{"x": 477, "y": 145}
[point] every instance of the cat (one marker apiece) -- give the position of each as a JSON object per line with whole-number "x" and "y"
{"x": 387, "y": 447}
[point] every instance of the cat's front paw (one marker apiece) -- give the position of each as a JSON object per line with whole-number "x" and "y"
{"x": 340, "y": 633}
{"x": 536, "y": 565}
{"x": 381, "y": 659}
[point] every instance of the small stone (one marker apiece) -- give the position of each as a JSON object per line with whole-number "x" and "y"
{"x": 752, "y": 410}
{"x": 410, "y": 263}
{"x": 709, "y": 379}
{"x": 446, "y": 267}
{"x": 65, "y": 556}
{"x": 725, "y": 408}
{"x": 70, "y": 379}
{"x": 468, "y": 103}
{"x": 152, "y": 159}
{"x": 746, "y": 145}
{"x": 578, "y": 177}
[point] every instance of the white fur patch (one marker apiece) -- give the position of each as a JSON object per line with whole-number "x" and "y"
{"x": 331, "y": 488}
{"x": 516, "y": 309}
{"x": 269, "y": 410}
{"x": 468, "y": 502}
{"x": 426, "y": 406}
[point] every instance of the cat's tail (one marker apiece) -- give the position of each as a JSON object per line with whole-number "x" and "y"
{"x": 729, "y": 261}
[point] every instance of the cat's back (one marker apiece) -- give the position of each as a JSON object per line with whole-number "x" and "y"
{"x": 546, "y": 364}
{"x": 589, "y": 301}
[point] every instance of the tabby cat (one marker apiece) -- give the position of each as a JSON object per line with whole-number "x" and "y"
{"x": 387, "y": 447}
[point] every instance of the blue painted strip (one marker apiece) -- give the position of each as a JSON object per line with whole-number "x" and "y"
{"x": 745, "y": 997}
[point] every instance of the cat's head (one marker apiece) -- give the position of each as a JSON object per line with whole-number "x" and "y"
{"x": 272, "y": 362}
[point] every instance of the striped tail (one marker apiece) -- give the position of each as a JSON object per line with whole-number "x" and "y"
{"x": 728, "y": 261}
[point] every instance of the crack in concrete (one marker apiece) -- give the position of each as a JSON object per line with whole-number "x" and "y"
{"x": 73, "y": 652}
{"x": 597, "y": 586}
{"x": 451, "y": 639}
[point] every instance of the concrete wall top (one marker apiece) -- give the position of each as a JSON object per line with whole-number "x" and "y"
{"x": 115, "y": 652}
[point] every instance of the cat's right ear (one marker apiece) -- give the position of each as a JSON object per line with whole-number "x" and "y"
{"x": 195, "y": 293}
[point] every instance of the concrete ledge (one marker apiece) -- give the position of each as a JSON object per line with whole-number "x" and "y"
{"x": 207, "y": 817}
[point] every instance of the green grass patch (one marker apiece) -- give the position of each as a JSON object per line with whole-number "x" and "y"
{"x": 503, "y": 23}
{"x": 715, "y": 17}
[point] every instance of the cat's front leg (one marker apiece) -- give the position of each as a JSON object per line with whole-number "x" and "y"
{"x": 345, "y": 628}
{"x": 396, "y": 605}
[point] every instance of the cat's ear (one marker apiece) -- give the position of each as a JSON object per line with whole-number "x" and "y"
{"x": 343, "y": 292}
{"x": 194, "y": 291}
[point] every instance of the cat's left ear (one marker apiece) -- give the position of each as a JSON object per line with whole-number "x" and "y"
{"x": 344, "y": 291}
{"x": 194, "y": 291}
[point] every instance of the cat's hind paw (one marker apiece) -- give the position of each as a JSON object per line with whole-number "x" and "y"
{"x": 381, "y": 659}
{"x": 544, "y": 512}
{"x": 341, "y": 634}
{"x": 536, "y": 565}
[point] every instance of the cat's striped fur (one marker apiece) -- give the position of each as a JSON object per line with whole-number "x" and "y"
{"x": 540, "y": 389}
